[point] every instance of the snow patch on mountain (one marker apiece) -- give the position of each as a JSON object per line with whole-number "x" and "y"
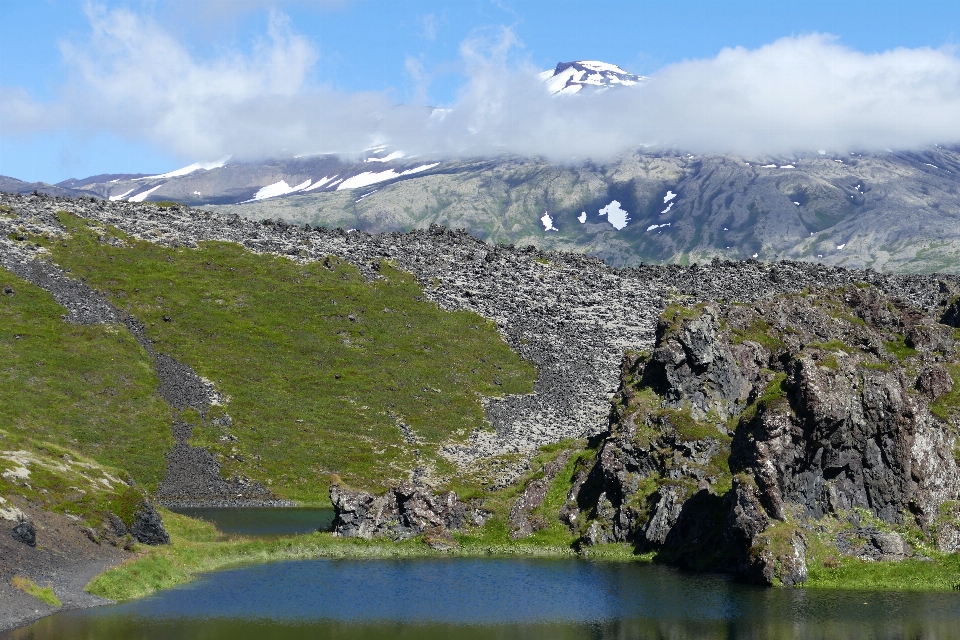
{"x": 548, "y": 222}
{"x": 122, "y": 195}
{"x": 582, "y": 217}
{"x": 319, "y": 183}
{"x": 615, "y": 215}
{"x": 278, "y": 189}
{"x": 396, "y": 155}
{"x": 140, "y": 197}
{"x": 196, "y": 166}
{"x": 373, "y": 177}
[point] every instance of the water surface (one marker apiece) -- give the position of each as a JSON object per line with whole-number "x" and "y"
{"x": 499, "y": 598}
{"x": 264, "y": 521}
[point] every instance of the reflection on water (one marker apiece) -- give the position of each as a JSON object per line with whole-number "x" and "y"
{"x": 499, "y": 598}
{"x": 266, "y": 521}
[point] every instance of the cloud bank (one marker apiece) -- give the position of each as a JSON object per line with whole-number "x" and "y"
{"x": 796, "y": 94}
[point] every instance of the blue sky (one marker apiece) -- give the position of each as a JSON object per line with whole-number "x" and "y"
{"x": 410, "y": 52}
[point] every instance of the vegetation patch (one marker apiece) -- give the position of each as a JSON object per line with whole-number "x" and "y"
{"x": 841, "y": 572}
{"x": 676, "y": 313}
{"x": 947, "y": 406}
{"x": 64, "y": 481}
{"x": 87, "y": 388}
{"x": 760, "y": 332}
{"x": 44, "y": 594}
{"x": 898, "y": 347}
{"x": 320, "y": 366}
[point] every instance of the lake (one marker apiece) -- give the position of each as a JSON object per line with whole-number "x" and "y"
{"x": 502, "y": 598}
{"x": 264, "y": 521}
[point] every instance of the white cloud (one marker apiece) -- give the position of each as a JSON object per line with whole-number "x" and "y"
{"x": 800, "y": 93}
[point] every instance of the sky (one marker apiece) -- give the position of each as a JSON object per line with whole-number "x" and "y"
{"x": 147, "y": 86}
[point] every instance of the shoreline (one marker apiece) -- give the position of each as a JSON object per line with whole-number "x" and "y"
{"x": 197, "y": 549}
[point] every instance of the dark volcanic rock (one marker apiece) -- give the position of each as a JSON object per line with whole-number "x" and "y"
{"x": 25, "y": 532}
{"x": 806, "y": 407}
{"x": 402, "y": 512}
{"x": 148, "y": 527}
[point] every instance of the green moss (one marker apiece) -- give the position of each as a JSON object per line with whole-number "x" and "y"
{"x": 899, "y": 348}
{"x": 675, "y": 313}
{"x": 833, "y": 345}
{"x": 760, "y": 332}
{"x": 44, "y": 594}
{"x": 88, "y": 388}
{"x": 830, "y": 362}
{"x": 319, "y": 364}
{"x": 775, "y": 393}
{"x": 687, "y": 428}
{"x": 947, "y": 406}
{"x": 164, "y": 204}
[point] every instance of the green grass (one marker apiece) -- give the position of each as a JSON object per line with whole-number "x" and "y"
{"x": 320, "y": 365}
{"x": 89, "y": 388}
{"x": 44, "y": 594}
{"x": 833, "y": 345}
{"x": 759, "y": 331}
{"x": 64, "y": 481}
{"x": 942, "y": 574}
{"x": 899, "y": 348}
{"x": 947, "y": 406}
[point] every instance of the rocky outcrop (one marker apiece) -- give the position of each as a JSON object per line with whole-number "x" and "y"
{"x": 523, "y": 522}
{"x": 148, "y": 527}
{"x": 746, "y": 424}
{"x": 402, "y": 512}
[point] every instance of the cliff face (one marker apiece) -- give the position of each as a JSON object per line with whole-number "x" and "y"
{"x": 754, "y": 431}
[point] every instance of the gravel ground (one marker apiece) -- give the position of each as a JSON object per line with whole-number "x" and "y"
{"x": 64, "y": 558}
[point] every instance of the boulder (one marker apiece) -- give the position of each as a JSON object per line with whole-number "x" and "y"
{"x": 25, "y": 532}
{"x": 148, "y": 526}
{"x": 402, "y": 512}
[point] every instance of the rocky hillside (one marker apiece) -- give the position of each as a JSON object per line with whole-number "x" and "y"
{"x": 759, "y": 438}
{"x": 889, "y": 211}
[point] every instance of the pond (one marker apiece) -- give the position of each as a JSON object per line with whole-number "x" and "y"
{"x": 499, "y": 598}
{"x": 265, "y": 521}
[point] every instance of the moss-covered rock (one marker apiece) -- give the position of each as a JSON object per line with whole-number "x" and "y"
{"x": 748, "y": 424}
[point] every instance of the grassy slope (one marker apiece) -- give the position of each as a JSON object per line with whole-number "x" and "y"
{"x": 311, "y": 391}
{"x": 87, "y": 388}
{"x": 63, "y": 481}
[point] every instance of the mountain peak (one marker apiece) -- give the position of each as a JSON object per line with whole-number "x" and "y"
{"x": 589, "y": 75}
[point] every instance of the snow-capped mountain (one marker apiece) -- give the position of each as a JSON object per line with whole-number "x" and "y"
{"x": 590, "y": 75}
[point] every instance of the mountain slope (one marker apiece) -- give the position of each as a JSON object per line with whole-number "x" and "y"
{"x": 890, "y": 211}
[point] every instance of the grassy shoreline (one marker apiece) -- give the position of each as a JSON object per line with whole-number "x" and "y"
{"x": 197, "y": 548}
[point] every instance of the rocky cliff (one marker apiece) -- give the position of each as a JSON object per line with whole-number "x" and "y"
{"x": 753, "y": 438}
